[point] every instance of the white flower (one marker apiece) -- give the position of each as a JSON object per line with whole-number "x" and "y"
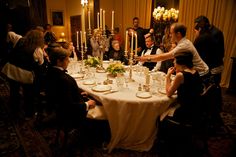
{"x": 160, "y": 13}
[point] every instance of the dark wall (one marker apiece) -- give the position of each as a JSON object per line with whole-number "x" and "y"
{"x": 23, "y": 15}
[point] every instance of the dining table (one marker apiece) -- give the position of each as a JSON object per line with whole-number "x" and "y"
{"x": 131, "y": 110}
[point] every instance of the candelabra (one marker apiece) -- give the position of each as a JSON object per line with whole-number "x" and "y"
{"x": 83, "y": 51}
{"x": 131, "y": 58}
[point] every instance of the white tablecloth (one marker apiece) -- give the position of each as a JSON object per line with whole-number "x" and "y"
{"x": 132, "y": 120}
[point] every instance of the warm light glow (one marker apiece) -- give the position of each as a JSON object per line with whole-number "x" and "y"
{"x": 84, "y": 2}
{"x": 62, "y": 34}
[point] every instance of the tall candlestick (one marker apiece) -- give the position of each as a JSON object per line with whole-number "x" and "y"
{"x": 81, "y": 39}
{"x": 112, "y": 20}
{"x": 101, "y": 18}
{"x": 104, "y": 20}
{"x": 98, "y": 20}
{"x": 77, "y": 40}
{"x": 132, "y": 43}
{"x": 85, "y": 42}
{"x": 126, "y": 42}
{"x": 136, "y": 44}
{"x": 89, "y": 24}
{"x": 83, "y": 20}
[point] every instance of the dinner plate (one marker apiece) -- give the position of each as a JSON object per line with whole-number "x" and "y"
{"x": 77, "y": 75}
{"x": 144, "y": 95}
{"x": 101, "y": 88}
{"x": 89, "y": 82}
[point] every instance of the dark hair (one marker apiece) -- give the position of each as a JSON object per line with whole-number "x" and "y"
{"x": 184, "y": 58}
{"x": 202, "y": 22}
{"x": 135, "y": 18}
{"x": 151, "y": 36}
{"x": 57, "y": 53}
{"x": 181, "y": 28}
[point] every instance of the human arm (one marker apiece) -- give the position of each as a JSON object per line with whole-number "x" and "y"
{"x": 172, "y": 87}
{"x": 156, "y": 57}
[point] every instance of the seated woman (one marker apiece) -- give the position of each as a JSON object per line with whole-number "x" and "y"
{"x": 62, "y": 90}
{"x": 188, "y": 85}
{"x": 116, "y": 53}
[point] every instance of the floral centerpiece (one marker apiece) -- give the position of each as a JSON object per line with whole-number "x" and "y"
{"x": 115, "y": 68}
{"x": 163, "y": 18}
{"x": 162, "y": 14}
{"x": 92, "y": 61}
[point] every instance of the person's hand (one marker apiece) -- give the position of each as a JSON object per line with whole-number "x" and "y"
{"x": 140, "y": 58}
{"x": 91, "y": 104}
{"x": 151, "y": 30}
{"x": 170, "y": 71}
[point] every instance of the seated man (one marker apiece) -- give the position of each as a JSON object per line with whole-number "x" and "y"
{"x": 151, "y": 49}
{"x": 63, "y": 92}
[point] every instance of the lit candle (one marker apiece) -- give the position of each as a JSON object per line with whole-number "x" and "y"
{"x": 81, "y": 40}
{"x": 132, "y": 42}
{"x": 104, "y": 20}
{"x": 98, "y": 20}
{"x": 112, "y": 20}
{"x": 77, "y": 40}
{"x": 89, "y": 24}
{"x": 126, "y": 42}
{"x": 136, "y": 44}
{"x": 85, "y": 42}
{"x": 101, "y": 18}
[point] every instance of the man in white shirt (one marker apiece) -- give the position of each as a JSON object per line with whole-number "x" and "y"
{"x": 178, "y": 33}
{"x": 151, "y": 49}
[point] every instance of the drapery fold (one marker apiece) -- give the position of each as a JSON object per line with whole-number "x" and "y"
{"x": 220, "y": 13}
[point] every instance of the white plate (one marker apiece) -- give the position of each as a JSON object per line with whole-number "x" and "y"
{"x": 89, "y": 82}
{"x": 144, "y": 95}
{"x": 77, "y": 75}
{"x": 101, "y": 88}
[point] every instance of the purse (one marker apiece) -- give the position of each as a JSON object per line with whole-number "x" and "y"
{"x": 18, "y": 74}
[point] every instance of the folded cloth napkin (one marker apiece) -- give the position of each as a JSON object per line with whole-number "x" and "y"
{"x": 169, "y": 112}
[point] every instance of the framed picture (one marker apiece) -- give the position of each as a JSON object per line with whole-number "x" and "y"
{"x": 57, "y": 18}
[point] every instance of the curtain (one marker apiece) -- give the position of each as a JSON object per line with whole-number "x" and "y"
{"x": 220, "y": 13}
{"x": 38, "y": 12}
{"x": 127, "y": 10}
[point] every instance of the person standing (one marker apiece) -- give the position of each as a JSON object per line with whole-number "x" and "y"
{"x": 209, "y": 42}
{"x": 178, "y": 33}
{"x": 140, "y": 33}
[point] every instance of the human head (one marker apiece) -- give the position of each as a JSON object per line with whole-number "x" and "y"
{"x": 136, "y": 22}
{"x": 130, "y": 30}
{"x": 177, "y": 32}
{"x": 202, "y": 22}
{"x": 33, "y": 39}
{"x": 115, "y": 45}
{"x": 68, "y": 45}
{"x": 47, "y": 27}
{"x": 183, "y": 59}
{"x": 59, "y": 57}
{"x": 149, "y": 41}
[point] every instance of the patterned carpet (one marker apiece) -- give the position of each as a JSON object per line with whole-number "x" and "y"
{"x": 22, "y": 139}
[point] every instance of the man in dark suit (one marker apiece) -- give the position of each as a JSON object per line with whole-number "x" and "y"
{"x": 63, "y": 92}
